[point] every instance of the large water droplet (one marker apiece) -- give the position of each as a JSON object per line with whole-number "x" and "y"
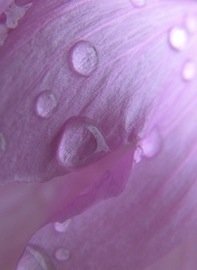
{"x": 138, "y": 3}
{"x": 45, "y": 104}
{"x": 189, "y": 71}
{"x": 148, "y": 146}
{"x": 62, "y": 254}
{"x": 62, "y": 226}
{"x": 80, "y": 141}
{"x": 2, "y": 143}
{"x": 83, "y": 58}
{"x": 178, "y": 38}
{"x": 35, "y": 258}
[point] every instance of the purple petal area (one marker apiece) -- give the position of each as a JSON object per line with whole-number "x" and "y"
{"x": 110, "y": 74}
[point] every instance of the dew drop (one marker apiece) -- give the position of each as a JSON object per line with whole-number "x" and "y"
{"x": 62, "y": 226}
{"x": 45, "y": 104}
{"x": 191, "y": 24}
{"x": 189, "y": 71}
{"x": 83, "y": 58}
{"x": 148, "y": 146}
{"x": 2, "y": 143}
{"x": 35, "y": 258}
{"x": 80, "y": 141}
{"x": 138, "y": 154}
{"x": 138, "y": 3}
{"x": 178, "y": 38}
{"x": 62, "y": 254}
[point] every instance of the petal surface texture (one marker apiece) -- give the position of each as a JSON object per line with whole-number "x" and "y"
{"x": 78, "y": 80}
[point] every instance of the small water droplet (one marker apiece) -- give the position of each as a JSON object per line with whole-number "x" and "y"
{"x": 80, "y": 141}
{"x": 178, "y": 38}
{"x": 191, "y": 24}
{"x": 83, "y": 58}
{"x": 148, "y": 146}
{"x": 189, "y": 71}
{"x": 62, "y": 226}
{"x": 62, "y": 254}
{"x": 45, "y": 104}
{"x": 2, "y": 143}
{"x": 138, "y": 154}
{"x": 138, "y": 3}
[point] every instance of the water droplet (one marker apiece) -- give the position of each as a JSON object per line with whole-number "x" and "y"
{"x": 138, "y": 3}
{"x": 178, "y": 38}
{"x": 45, "y": 104}
{"x": 79, "y": 142}
{"x": 2, "y": 143}
{"x": 138, "y": 154}
{"x": 189, "y": 71}
{"x": 62, "y": 254}
{"x": 148, "y": 146}
{"x": 191, "y": 24}
{"x": 36, "y": 259}
{"x": 83, "y": 58}
{"x": 62, "y": 226}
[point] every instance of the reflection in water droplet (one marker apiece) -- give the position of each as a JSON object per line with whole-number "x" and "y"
{"x": 35, "y": 258}
{"x": 79, "y": 142}
{"x": 83, "y": 58}
{"x": 178, "y": 38}
{"x": 191, "y": 24}
{"x": 62, "y": 226}
{"x": 138, "y": 3}
{"x": 45, "y": 104}
{"x": 148, "y": 146}
{"x": 62, "y": 254}
{"x": 2, "y": 143}
{"x": 189, "y": 71}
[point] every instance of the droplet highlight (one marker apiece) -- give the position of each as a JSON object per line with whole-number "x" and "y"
{"x": 62, "y": 226}
{"x": 80, "y": 142}
{"x": 189, "y": 71}
{"x": 45, "y": 104}
{"x": 148, "y": 147}
{"x": 178, "y": 38}
{"x": 83, "y": 58}
{"x": 62, "y": 254}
